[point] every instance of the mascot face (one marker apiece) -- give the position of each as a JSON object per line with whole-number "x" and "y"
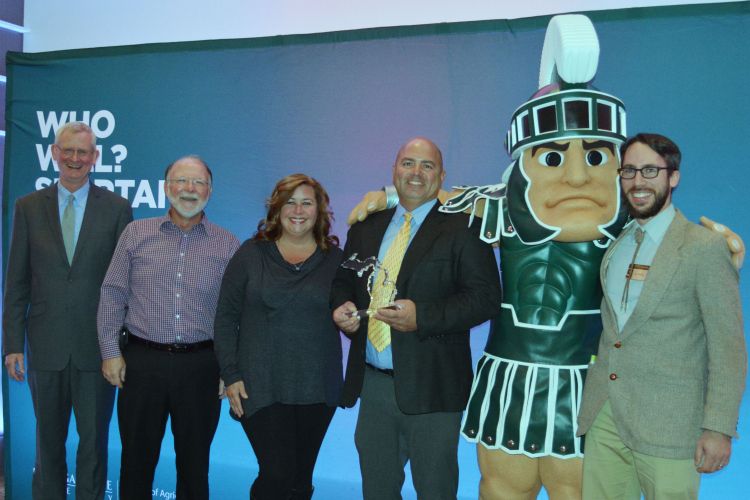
{"x": 573, "y": 185}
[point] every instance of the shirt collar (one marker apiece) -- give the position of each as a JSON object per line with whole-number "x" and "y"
{"x": 204, "y": 226}
{"x": 79, "y": 195}
{"x": 657, "y": 227}
{"x": 418, "y": 215}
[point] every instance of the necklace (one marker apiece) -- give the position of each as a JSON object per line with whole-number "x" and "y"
{"x": 295, "y": 257}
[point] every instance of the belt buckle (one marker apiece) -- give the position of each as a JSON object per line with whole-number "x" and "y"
{"x": 180, "y": 347}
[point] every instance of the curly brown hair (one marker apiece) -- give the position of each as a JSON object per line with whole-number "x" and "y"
{"x": 269, "y": 229}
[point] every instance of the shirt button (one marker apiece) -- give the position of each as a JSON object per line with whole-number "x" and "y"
{"x": 179, "y": 337}
{"x": 177, "y": 316}
{"x": 618, "y": 344}
{"x": 613, "y": 376}
{"x": 179, "y": 275}
{"x": 177, "y": 295}
{"x": 182, "y": 254}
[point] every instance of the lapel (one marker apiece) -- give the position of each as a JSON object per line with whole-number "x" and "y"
{"x": 52, "y": 211}
{"x": 604, "y": 268}
{"x": 372, "y": 236}
{"x": 666, "y": 262}
{"x": 90, "y": 218}
{"x": 421, "y": 244}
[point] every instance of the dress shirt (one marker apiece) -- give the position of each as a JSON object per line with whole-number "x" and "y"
{"x": 79, "y": 205}
{"x": 384, "y": 358}
{"x": 163, "y": 284}
{"x": 622, "y": 255}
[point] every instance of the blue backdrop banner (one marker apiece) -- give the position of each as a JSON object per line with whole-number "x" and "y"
{"x": 337, "y": 106}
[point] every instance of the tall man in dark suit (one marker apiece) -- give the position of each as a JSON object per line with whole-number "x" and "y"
{"x": 661, "y": 401}
{"x": 63, "y": 239}
{"x": 411, "y": 364}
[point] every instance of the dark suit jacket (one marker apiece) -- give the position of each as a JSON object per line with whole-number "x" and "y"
{"x": 49, "y": 303}
{"x": 451, "y": 276}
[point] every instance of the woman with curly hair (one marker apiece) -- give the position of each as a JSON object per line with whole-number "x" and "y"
{"x": 277, "y": 346}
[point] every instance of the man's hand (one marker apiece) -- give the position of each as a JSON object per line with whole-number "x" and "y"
{"x": 346, "y": 322}
{"x": 236, "y": 393}
{"x": 113, "y": 370}
{"x": 403, "y": 318}
{"x": 374, "y": 201}
{"x": 734, "y": 242}
{"x": 712, "y": 451}
{"x": 14, "y": 365}
{"x": 222, "y": 389}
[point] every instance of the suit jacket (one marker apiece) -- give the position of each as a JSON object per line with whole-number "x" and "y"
{"x": 678, "y": 366}
{"x": 48, "y": 302}
{"x": 451, "y": 275}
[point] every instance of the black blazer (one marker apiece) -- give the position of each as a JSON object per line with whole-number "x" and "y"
{"x": 451, "y": 275}
{"x": 49, "y": 303}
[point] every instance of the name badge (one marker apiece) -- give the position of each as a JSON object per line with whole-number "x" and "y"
{"x": 637, "y": 272}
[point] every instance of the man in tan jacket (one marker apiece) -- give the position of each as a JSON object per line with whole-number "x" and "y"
{"x": 661, "y": 402}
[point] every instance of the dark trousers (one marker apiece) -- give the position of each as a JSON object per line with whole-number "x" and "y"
{"x": 91, "y": 398}
{"x": 387, "y": 439}
{"x": 183, "y": 386}
{"x": 286, "y": 440}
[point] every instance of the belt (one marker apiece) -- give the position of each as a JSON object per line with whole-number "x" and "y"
{"x": 195, "y": 346}
{"x": 384, "y": 371}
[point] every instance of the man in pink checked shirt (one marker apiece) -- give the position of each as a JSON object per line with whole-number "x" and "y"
{"x": 162, "y": 288}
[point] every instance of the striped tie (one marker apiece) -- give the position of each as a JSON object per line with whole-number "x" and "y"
{"x": 382, "y": 293}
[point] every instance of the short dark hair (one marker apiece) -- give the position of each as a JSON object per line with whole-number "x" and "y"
{"x": 663, "y": 146}
{"x": 192, "y": 157}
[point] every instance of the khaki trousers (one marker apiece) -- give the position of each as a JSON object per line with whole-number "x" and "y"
{"x": 612, "y": 471}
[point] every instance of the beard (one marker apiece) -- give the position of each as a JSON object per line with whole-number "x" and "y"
{"x": 660, "y": 199}
{"x": 177, "y": 204}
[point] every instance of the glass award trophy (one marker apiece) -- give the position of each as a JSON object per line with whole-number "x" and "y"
{"x": 381, "y": 298}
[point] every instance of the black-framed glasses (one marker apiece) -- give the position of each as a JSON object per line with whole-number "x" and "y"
{"x": 649, "y": 172}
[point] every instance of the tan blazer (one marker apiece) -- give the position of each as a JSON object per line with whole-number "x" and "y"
{"x": 678, "y": 366}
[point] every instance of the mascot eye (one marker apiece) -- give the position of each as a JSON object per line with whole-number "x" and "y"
{"x": 551, "y": 158}
{"x": 595, "y": 157}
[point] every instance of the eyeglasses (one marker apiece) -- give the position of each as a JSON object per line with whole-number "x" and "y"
{"x": 70, "y": 152}
{"x": 184, "y": 181}
{"x": 649, "y": 172}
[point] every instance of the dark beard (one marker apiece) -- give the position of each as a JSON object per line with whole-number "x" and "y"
{"x": 660, "y": 199}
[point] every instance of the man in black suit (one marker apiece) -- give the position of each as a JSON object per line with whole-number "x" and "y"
{"x": 410, "y": 364}
{"x": 62, "y": 242}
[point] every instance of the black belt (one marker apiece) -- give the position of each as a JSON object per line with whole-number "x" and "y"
{"x": 195, "y": 346}
{"x": 384, "y": 371}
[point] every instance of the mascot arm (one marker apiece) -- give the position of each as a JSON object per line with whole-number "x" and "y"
{"x": 376, "y": 201}
{"x": 734, "y": 242}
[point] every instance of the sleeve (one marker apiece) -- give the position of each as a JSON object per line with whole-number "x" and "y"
{"x": 124, "y": 218}
{"x": 477, "y": 298}
{"x": 17, "y": 286}
{"x": 228, "y": 317}
{"x": 721, "y": 311}
{"x": 113, "y": 300}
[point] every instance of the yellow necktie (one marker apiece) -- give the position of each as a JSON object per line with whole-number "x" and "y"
{"x": 382, "y": 293}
